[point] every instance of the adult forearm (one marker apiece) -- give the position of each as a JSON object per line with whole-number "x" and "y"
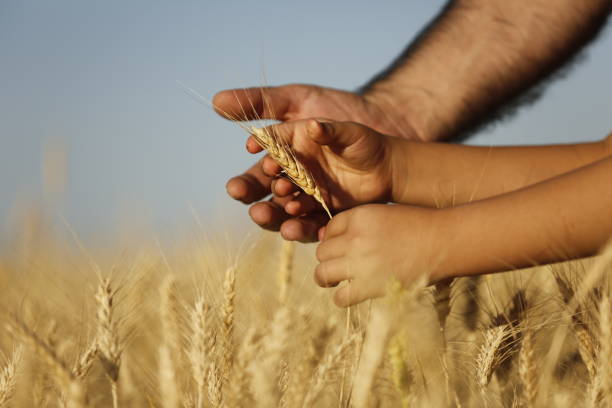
{"x": 479, "y": 54}
{"x": 563, "y": 218}
{"x": 443, "y": 175}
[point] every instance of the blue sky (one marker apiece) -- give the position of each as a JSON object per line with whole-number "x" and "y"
{"x": 100, "y": 78}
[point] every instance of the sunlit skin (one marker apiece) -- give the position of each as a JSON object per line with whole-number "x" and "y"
{"x": 561, "y": 217}
{"x": 471, "y": 60}
{"x": 464, "y": 210}
{"x": 295, "y": 102}
{"x": 533, "y": 205}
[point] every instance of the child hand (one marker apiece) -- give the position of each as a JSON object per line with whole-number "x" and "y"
{"x": 350, "y": 163}
{"x": 371, "y": 245}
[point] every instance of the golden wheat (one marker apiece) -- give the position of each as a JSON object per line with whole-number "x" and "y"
{"x": 220, "y": 334}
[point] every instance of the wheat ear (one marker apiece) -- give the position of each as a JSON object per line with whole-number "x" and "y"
{"x": 8, "y": 377}
{"x": 489, "y": 356}
{"x": 76, "y": 397}
{"x": 293, "y": 168}
{"x": 108, "y": 338}
{"x": 201, "y": 345}
{"x": 527, "y": 368}
{"x": 85, "y": 362}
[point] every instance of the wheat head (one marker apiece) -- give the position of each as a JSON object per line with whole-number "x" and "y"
{"x": 292, "y": 167}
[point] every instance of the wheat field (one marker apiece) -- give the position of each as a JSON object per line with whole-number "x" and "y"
{"x": 244, "y": 325}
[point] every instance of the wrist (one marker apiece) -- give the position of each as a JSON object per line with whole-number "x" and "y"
{"x": 414, "y": 106}
{"x": 443, "y": 226}
{"x": 399, "y": 174}
{"x": 403, "y": 109}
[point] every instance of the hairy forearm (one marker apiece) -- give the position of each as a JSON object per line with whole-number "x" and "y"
{"x": 444, "y": 175}
{"x": 479, "y": 54}
{"x": 564, "y": 218}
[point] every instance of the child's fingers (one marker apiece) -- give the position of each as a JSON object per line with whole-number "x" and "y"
{"x": 337, "y": 225}
{"x": 270, "y": 167}
{"x": 302, "y": 204}
{"x": 331, "y": 273}
{"x": 331, "y": 249}
{"x": 350, "y": 294}
{"x": 283, "y": 187}
{"x": 339, "y": 134}
{"x": 321, "y": 233}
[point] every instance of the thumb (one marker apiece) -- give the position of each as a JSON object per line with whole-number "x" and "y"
{"x": 256, "y": 103}
{"x": 334, "y": 134}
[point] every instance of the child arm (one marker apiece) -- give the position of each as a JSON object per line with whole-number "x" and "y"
{"x": 565, "y": 217}
{"x": 442, "y": 175}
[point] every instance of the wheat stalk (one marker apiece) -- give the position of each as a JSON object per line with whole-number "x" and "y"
{"x": 401, "y": 374}
{"x": 266, "y": 372}
{"x": 170, "y": 349}
{"x": 372, "y": 354}
{"x": 330, "y": 362}
{"x": 227, "y": 319}
{"x": 282, "y": 154}
{"x": 240, "y": 394}
{"x": 302, "y": 378}
{"x": 69, "y": 384}
{"x": 284, "y": 270}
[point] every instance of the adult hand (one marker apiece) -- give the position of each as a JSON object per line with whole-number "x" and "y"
{"x": 293, "y": 102}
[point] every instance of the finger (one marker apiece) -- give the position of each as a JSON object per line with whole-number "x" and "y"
{"x": 303, "y": 229}
{"x": 337, "y": 225}
{"x": 351, "y": 294}
{"x": 251, "y": 186}
{"x": 322, "y": 233}
{"x": 283, "y": 187}
{"x": 268, "y": 215}
{"x": 337, "y": 134}
{"x": 302, "y": 204}
{"x": 270, "y": 167}
{"x": 331, "y": 249}
{"x": 252, "y": 146}
{"x": 331, "y": 273}
{"x": 256, "y": 103}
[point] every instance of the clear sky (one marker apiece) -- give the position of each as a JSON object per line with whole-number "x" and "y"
{"x": 100, "y": 79}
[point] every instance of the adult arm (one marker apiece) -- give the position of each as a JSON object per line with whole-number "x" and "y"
{"x": 478, "y": 55}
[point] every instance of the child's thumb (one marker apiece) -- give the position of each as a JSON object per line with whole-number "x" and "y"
{"x": 338, "y": 134}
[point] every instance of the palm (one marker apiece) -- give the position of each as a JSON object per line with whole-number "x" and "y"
{"x": 313, "y": 101}
{"x": 348, "y": 175}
